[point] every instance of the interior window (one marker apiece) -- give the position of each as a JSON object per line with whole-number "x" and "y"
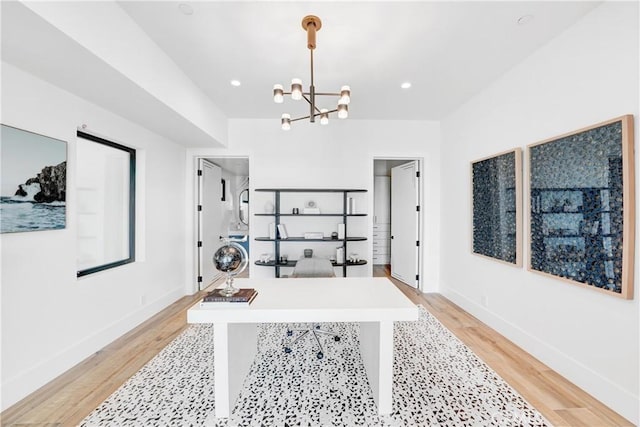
{"x": 105, "y": 184}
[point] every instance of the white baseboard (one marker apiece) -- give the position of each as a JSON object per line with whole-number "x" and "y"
{"x": 609, "y": 393}
{"x": 25, "y": 383}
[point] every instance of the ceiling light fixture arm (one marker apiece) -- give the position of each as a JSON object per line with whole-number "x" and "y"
{"x": 311, "y": 104}
{"x": 316, "y": 115}
{"x": 311, "y": 55}
{"x": 304, "y": 94}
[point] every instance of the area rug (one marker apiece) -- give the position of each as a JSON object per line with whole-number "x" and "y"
{"x": 437, "y": 381}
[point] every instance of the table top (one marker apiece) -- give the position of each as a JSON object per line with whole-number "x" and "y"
{"x": 350, "y": 299}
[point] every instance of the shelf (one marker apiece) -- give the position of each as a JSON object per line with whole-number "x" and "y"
{"x": 349, "y": 263}
{"x": 581, "y": 212}
{"x": 294, "y": 262}
{"x": 558, "y": 213}
{"x": 562, "y": 236}
{"x": 313, "y": 190}
{"x": 572, "y": 189}
{"x": 288, "y": 214}
{"x": 302, "y": 239}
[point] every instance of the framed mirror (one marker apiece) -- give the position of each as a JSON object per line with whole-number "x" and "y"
{"x": 243, "y": 206}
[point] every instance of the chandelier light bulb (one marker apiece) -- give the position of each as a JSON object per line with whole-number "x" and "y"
{"x": 278, "y": 94}
{"x": 343, "y": 111}
{"x": 286, "y": 121}
{"x": 324, "y": 116}
{"x": 296, "y": 89}
{"x": 345, "y": 95}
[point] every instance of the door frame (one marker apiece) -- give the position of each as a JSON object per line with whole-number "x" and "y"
{"x": 202, "y": 163}
{"x": 421, "y": 229}
{"x": 191, "y": 285}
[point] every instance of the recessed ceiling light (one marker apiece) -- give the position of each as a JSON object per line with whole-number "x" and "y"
{"x": 524, "y": 19}
{"x": 235, "y": 83}
{"x": 405, "y": 85}
{"x": 185, "y": 8}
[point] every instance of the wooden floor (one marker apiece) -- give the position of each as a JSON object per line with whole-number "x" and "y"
{"x": 69, "y": 398}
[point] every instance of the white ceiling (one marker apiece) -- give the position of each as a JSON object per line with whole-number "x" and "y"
{"x": 448, "y": 50}
{"x": 36, "y": 46}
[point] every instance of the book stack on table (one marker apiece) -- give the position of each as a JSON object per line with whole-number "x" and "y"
{"x": 242, "y": 298}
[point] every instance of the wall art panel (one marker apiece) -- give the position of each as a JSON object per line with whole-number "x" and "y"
{"x": 496, "y": 206}
{"x": 34, "y": 181}
{"x": 582, "y": 202}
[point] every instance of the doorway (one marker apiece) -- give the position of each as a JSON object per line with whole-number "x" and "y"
{"x": 397, "y": 221}
{"x": 223, "y": 208}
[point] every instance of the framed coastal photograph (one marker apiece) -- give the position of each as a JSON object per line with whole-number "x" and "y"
{"x": 34, "y": 181}
{"x": 581, "y": 218}
{"x": 496, "y": 183}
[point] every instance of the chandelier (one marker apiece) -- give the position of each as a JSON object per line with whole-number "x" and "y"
{"x": 311, "y": 24}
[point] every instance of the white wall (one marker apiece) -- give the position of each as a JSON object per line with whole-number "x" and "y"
{"x": 50, "y": 319}
{"x": 586, "y": 75}
{"x": 118, "y": 41}
{"x": 339, "y": 155}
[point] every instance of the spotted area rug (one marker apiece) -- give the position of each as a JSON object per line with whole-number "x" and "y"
{"x": 437, "y": 381}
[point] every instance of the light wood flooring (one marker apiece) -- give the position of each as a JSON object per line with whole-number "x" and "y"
{"x": 66, "y": 400}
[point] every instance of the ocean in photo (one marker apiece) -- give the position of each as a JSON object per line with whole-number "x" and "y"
{"x": 20, "y": 214}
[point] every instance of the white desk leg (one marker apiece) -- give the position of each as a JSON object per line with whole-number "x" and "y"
{"x": 234, "y": 346}
{"x": 376, "y": 347}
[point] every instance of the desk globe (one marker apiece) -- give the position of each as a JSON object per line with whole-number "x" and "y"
{"x": 231, "y": 259}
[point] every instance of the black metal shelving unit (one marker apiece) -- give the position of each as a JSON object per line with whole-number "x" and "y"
{"x": 277, "y": 215}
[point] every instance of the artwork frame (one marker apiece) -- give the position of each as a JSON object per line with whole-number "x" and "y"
{"x": 496, "y": 207}
{"x": 34, "y": 181}
{"x": 581, "y": 213}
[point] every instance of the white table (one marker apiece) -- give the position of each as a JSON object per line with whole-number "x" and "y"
{"x": 375, "y": 303}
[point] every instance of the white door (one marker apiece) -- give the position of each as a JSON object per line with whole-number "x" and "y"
{"x": 404, "y": 223}
{"x": 209, "y": 220}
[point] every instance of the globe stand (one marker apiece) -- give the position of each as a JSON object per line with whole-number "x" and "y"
{"x": 229, "y": 289}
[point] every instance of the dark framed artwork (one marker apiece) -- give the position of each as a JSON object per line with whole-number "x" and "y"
{"x": 34, "y": 181}
{"x": 581, "y": 216}
{"x": 496, "y": 183}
